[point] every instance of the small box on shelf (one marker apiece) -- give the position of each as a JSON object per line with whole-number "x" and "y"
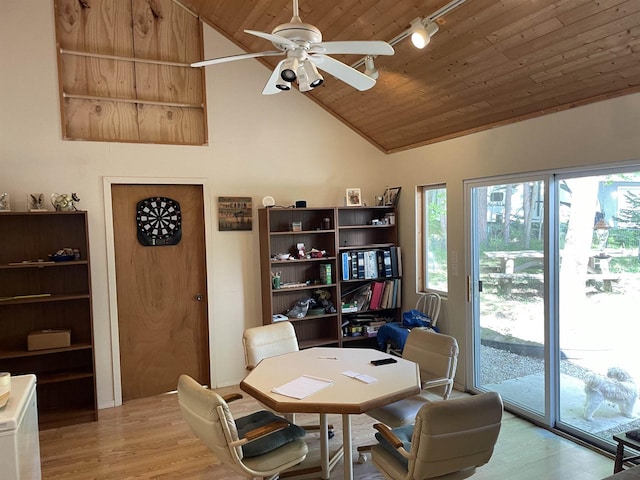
{"x": 44, "y": 339}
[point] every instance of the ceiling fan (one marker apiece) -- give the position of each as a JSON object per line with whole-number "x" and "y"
{"x": 305, "y": 54}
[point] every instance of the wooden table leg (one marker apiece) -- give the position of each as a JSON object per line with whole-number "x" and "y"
{"x": 617, "y": 466}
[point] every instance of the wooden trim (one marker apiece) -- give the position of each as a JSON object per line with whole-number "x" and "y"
{"x": 131, "y": 100}
{"x": 124, "y": 59}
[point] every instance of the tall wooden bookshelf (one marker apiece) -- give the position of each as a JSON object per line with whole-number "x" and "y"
{"x": 334, "y": 231}
{"x": 39, "y": 294}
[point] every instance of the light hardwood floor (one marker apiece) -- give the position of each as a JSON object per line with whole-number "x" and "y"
{"x": 147, "y": 438}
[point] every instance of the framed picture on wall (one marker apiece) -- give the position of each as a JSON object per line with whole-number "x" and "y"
{"x": 235, "y": 213}
{"x": 354, "y": 197}
{"x": 392, "y": 195}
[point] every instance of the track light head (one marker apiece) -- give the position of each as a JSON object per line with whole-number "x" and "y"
{"x": 288, "y": 69}
{"x": 421, "y": 34}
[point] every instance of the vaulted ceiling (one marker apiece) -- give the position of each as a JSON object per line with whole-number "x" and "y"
{"x": 493, "y": 62}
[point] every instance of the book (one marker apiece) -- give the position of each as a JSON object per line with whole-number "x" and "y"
{"x": 388, "y": 288}
{"x": 376, "y": 295}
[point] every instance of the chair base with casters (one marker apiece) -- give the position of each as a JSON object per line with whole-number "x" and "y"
{"x": 448, "y": 441}
{"x": 258, "y": 445}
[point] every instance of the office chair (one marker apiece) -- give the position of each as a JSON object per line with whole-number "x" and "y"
{"x": 258, "y": 445}
{"x": 437, "y": 357}
{"x": 449, "y": 440}
{"x": 268, "y": 341}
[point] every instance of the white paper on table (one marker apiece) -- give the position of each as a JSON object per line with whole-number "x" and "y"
{"x": 363, "y": 377}
{"x": 303, "y": 386}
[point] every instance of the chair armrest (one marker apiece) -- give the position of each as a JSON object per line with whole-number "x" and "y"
{"x": 436, "y": 382}
{"x": 260, "y": 432}
{"x": 231, "y": 397}
{"x": 390, "y": 437}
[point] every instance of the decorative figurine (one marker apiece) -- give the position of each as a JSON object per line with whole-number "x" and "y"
{"x": 63, "y": 202}
{"x": 36, "y": 202}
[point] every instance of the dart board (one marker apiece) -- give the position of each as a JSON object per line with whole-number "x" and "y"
{"x": 159, "y": 221}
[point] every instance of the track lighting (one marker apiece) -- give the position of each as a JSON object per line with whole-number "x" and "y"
{"x": 370, "y": 68}
{"x": 308, "y": 76}
{"x": 288, "y": 69}
{"x": 421, "y": 34}
{"x": 420, "y": 31}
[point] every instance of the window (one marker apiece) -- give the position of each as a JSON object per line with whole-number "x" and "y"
{"x": 432, "y": 269}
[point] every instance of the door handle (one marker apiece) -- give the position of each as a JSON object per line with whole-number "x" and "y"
{"x": 199, "y": 297}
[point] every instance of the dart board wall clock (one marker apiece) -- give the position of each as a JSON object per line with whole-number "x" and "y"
{"x": 159, "y": 221}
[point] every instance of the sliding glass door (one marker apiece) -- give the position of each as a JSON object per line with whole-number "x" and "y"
{"x": 508, "y": 238}
{"x": 554, "y": 296}
{"x": 598, "y": 293}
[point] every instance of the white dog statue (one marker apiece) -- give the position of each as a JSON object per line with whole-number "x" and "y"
{"x": 616, "y": 388}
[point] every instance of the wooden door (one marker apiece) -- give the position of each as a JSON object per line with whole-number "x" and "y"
{"x": 162, "y": 307}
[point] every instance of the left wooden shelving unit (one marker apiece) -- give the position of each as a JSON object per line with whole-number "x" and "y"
{"x": 38, "y": 294}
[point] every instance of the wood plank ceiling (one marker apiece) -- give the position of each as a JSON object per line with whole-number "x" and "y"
{"x": 493, "y": 62}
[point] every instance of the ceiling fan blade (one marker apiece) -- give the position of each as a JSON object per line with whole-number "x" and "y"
{"x": 276, "y": 39}
{"x": 270, "y": 88}
{"x": 343, "y": 72}
{"x": 374, "y": 47}
{"x": 232, "y": 58}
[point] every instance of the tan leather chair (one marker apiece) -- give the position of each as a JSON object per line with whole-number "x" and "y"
{"x": 437, "y": 357}
{"x": 268, "y": 341}
{"x": 449, "y": 440}
{"x": 210, "y": 419}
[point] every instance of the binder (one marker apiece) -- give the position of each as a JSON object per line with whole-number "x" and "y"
{"x": 360, "y": 257}
{"x": 354, "y": 264}
{"x": 370, "y": 264}
{"x": 388, "y": 272}
{"x": 393, "y": 253}
{"x": 346, "y": 264}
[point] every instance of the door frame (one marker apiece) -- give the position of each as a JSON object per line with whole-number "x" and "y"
{"x": 111, "y": 266}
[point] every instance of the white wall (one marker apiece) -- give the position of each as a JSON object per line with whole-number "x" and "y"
{"x": 282, "y": 145}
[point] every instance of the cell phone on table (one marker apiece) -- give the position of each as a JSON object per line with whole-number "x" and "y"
{"x": 383, "y": 361}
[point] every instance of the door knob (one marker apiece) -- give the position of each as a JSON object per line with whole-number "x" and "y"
{"x": 199, "y": 297}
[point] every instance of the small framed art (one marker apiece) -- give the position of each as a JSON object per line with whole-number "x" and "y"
{"x": 36, "y": 202}
{"x": 235, "y": 213}
{"x": 392, "y": 195}
{"x": 354, "y": 197}
{"x": 5, "y": 202}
